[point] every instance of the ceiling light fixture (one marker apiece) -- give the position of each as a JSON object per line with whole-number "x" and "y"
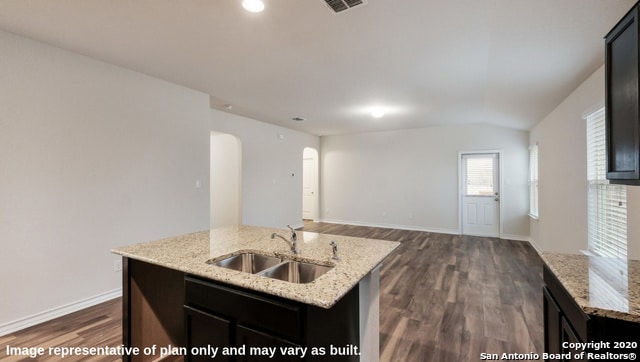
{"x": 377, "y": 112}
{"x": 254, "y": 6}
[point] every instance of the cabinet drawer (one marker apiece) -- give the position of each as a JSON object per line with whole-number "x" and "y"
{"x": 572, "y": 312}
{"x": 262, "y": 312}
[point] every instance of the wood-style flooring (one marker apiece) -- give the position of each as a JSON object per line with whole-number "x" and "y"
{"x": 97, "y": 326}
{"x": 443, "y": 298}
{"x": 451, "y": 297}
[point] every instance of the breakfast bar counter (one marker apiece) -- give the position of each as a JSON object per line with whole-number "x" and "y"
{"x": 189, "y": 253}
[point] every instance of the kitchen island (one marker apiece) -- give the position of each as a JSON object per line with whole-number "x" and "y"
{"x": 177, "y": 299}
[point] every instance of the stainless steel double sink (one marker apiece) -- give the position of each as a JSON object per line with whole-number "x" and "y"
{"x": 280, "y": 268}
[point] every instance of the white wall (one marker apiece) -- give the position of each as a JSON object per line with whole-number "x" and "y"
{"x": 409, "y": 178}
{"x": 93, "y": 156}
{"x": 561, "y": 137}
{"x": 271, "y": 169}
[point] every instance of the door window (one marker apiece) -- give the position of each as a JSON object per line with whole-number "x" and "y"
{"x": 480, "y": 178}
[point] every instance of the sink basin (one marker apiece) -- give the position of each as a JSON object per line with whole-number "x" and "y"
{"x": 296, "y": 272}
{"x": 272, "y": 267}
{"x": 247, "y": 262}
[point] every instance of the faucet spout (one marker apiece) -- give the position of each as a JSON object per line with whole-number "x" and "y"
{"x": 294, "y": 237}
{"x": 292, "y": 241}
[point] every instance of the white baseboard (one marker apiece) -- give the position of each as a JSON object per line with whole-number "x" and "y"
{"x": 535, "y": 246}
{"x": 56, "y": 312}
{"x": 418, "y": 228}
{"x": 392, "y": 226}
{"x": 515, "y": 237}
{"x": 297, "y": 225}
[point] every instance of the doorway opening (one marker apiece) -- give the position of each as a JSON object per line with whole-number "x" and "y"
{"x": 480, "y": 207}
{"x": 226, "y": 180}
{"x": 310, "y": 184}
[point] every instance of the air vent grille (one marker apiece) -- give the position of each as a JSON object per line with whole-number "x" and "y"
{"x": 342, "y": 5}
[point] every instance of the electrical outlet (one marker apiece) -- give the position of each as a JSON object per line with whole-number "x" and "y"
{"x": 117, "y": 265}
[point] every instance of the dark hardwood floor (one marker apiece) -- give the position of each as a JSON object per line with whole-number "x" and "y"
{"x": 451, "y": 297}
{"x": 443, "y": 298}
{"x": 97, "y": 326}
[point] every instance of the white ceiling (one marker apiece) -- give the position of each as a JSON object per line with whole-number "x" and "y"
{"x": 429, "y": 62}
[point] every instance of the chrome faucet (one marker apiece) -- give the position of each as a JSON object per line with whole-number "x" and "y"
{"x": 293, "y": 239}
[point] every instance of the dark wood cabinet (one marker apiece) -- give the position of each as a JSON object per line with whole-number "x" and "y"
{"x": 552, "y": 322}
{"x": 222, "y": 315}
{"x": 165, "y": 307}
{"x": 205, "y": 329}
{"x": 622, "y": 101}
{"x": 565, "y": 324}
{"x": 152, "y": 308}
{"x": 569, "y": 338}
{"x": 251, "y": 337}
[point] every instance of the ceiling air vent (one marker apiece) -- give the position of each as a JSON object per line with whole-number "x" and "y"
{"x": 342, "y": 5}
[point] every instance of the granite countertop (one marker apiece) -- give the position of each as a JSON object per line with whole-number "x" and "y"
{"x": 189, "y": 253}
{"x": 601, "y": 286}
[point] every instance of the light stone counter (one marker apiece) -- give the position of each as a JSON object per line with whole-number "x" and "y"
{"x": 189, "y": 253}
{"x": 601, "y": 286}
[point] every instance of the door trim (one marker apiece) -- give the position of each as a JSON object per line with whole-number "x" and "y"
{"x": 312, "y": 154}
{"x": 461, "y": 187}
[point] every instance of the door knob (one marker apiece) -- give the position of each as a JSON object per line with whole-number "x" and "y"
{"x": 497, "y": 199}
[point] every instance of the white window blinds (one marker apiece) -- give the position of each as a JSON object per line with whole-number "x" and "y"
{"x": 607, "y": 204}
{"x": 480, "y": 175}
{"x": 533, "y": 181}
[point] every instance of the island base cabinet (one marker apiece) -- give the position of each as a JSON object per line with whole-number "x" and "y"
{"x": 204, "y": 329}
{"x": 249, "y": 338}
{"x": 254, "y": 325}
{"x": 152, "y": 309}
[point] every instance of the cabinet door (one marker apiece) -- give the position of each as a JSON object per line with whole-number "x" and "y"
{"x": 622, "y": 109}
{"x": 205, "y": 331}
{"x": 249, "y": 337}
{"x": 552, "y": 325}
{"x": 568, "y": 335}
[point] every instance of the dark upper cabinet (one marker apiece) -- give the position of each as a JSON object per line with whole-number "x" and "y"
{"x": 622, "y": 102}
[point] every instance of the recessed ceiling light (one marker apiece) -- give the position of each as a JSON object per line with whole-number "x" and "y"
{"x": 377, "y": 112}
{"x": 254, "y": 6}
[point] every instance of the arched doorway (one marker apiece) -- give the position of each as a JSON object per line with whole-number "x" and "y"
{"x": 226, "y": 180}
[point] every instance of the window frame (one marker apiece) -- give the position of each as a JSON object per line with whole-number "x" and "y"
{"x": 534, "y": 194}
{"x": 606, "y": 203}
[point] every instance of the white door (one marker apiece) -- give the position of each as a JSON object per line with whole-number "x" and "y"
{"x": 308, "y": 187}
{"x": 481, "y": 194}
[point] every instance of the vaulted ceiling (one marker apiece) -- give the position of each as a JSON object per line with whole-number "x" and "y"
{"x": 425, "y": 62}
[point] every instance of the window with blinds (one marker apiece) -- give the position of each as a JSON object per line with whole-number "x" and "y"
{"x": 533, "y": 181}
{"x": 607, "y": 204}
{"x": 480, "y": 176}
